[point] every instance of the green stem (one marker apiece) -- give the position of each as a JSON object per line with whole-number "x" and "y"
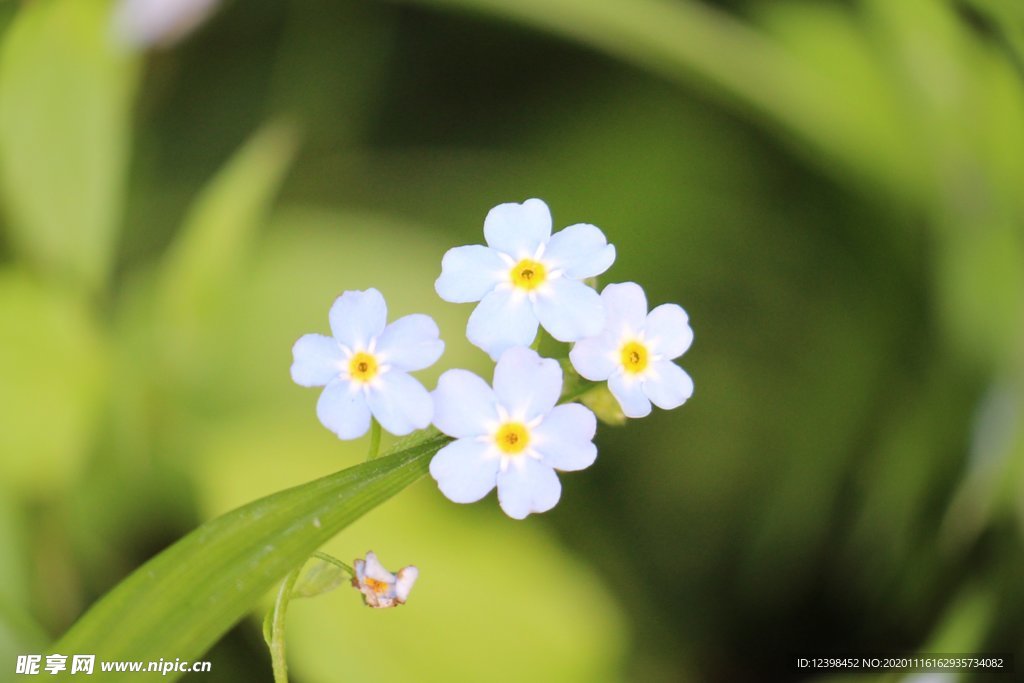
{"x": 573, "y": 386}
{"x": 284, "y": 596}
{"x": 374, "y": 439}
{"x": 275, "y": 622}
{"x": 577, "y": 391}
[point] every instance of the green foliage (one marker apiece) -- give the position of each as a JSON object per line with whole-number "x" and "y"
{"x": 65, "y": 127}
{"x": 53, "y": 364}
{"x": 187, "y": 597}
{"x": 832, "y": 190}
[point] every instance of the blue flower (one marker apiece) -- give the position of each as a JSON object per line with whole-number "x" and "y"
{"x": 526, "y": 275}
{"x": 381, "y": 588}
{"x": 364, "y": 367}
{"x": 512, "y": 436}
{"x": 634, "y": 352}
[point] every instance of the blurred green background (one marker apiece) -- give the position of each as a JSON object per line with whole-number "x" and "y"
{"x": 833, "y": 190}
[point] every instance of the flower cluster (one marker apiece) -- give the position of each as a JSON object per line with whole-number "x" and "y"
{"x": 512, "y": 434}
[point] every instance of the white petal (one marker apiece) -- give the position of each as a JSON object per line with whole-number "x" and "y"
{"x": 526, "y": 385}
{"x": 375, "y": 570}
{"x": 502, "y": 320}
{"x": 316, "y": 360}
{"x": 406, "y": 578}
{"x": 518, "y": 229}
{"x": 464, "y": 405}
{"x": 357, "y": 317}
{"x": 629, "y": 392}
{"x": 469, "y": 273}
{"x": 464, "y": 471}
{"x": 565, "y": 437}
{"x": 668, "y": 331}
{"x": 342, "y": 409}
{"x": 569, "y": 310}
{"x": 626, "y": 308}
{"x": 667, "y": 385}
{"x": 580, "y": 250}
{"x": 400, "y": 403}
{"x": 360, "y": 567}
{"x": 594, "y": 358}
{"x": 410, "y": 343}
{"x": 528, "y": 486}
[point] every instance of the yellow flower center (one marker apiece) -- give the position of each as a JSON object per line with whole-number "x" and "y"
{"x": 634, "y": 357}
{"x": 376, "y": 586}
{"x": 529, "y": 274}
{"x": 512, "y": 438}
{"x": 362, "y": 367}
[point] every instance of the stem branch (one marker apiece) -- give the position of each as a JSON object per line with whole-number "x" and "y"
{"x": 284, "y": 595}
{"x": 374, "y": 439}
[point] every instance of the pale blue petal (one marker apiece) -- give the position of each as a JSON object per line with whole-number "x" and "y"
{"x": 316, "y": 360}
{"x": 406, "y": 578}
{"x": 626, "y": 307}
{"x": 342, "y": 409}
{"x": 502, "y": 320}
{"x": 400, "y": 403}
{"x": 630, "y": 394}
{"x": 357, "y": 317}
{"x": 667, "y": 331}
{"x": 463, "y": 404}
{"x": 580, "y": 250}
{"x": 594, "y": 358}
{"x": 667, "y": 385}
{"x": 526, "y": 487}
{"x": 569, "y": 310}
{"x": 518, "y": 229}
{"x": 376, "y": 571}
{"x": 565, "y": 437}
{"x": 469, "y": 273}
{"x": 526, "y": 385}
{"x": 410, "y": 343}
{"x": 464, "y": 471}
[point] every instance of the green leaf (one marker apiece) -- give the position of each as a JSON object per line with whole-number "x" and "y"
{"x": 321, "y": 577}
{"x": 65, "y": 102}
{"x": 186, "y": 598}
